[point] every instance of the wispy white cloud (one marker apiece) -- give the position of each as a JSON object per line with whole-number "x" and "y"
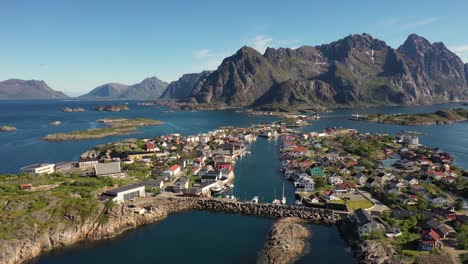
{"x": 204, "y": 53}
{"x": 424, "y": 22}
{"x": 261, "y": 42}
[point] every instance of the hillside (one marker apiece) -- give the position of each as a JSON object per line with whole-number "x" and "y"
{"x": 149, "y": 88}
{"x": 106, "y": 91}
{"x": 357, "y": 70}
{"x": 28, "y": 89}
{"x": 182, "y": 88}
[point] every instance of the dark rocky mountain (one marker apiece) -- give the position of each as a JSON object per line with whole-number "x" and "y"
{"x": 149, "y": 88}
{"x": 28, "y": 89}
{"x": 182, "y": 88}
{"x": 357, "y": 70}
{"x": 106, "y": 91}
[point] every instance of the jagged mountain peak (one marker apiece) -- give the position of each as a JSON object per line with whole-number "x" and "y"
{"x": 355, "y": 70}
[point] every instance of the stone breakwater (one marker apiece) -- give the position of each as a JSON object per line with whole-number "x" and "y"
{"x": 313, "y": 215}
{"x": 286, "y": 241}
{"x": 120, "y": 218}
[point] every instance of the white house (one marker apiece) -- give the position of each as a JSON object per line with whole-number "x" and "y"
{"x": 334, "y": 180}
{"x": 305, "y": 184}
{"x": 39, "y": 168}
{"x": 124, "y": 193}
{"x": 174, "y": 169}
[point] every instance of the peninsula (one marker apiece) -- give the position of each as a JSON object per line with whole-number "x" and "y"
{"x": 114, "y": 127}
{"x": 444, "y": 116}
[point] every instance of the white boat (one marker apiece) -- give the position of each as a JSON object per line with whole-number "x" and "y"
{"x": 217, "y": 190}
{"x": 276, "y": 201}
{"x": 254, "y": 200}
{"x": 55, "y": 123}
{"x": 283, "y": 200}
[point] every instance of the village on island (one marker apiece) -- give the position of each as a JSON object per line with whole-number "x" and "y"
{"x": 389, "y": 188}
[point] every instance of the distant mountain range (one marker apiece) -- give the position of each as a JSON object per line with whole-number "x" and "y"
{"x": 357, "y": 70}
{"x": 32, "y": 89}
{"x": 150, "y": 88}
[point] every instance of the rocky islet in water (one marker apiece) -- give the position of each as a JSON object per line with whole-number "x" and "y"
{"x": 115, "y": 126}
{"x": 7, "y": 128}
{"x": 444, "y": 116}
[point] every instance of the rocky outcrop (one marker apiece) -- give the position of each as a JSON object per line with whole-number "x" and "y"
{"x": 286, "y": 241}
{"x": 373, "y": 252}
{"x": 117, "y": 219}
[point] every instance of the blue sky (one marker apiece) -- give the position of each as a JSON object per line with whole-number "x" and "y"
{"x": 77, "y": 45}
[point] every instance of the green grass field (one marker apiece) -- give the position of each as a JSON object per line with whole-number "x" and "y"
{"x": 356, "y": 204}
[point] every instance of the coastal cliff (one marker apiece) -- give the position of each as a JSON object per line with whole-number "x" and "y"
{"x": 111, "y": 221}
{"x": 286, "y": 241}
{"x": 117, "y": 220}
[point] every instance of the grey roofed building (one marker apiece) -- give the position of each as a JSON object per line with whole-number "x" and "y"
{"x": 155, "y": 182}
{"x": 108, "y": 169}
{"x": 123, "y": 188}
{"x": 362, "y": 217}
{"x": 433, "y": 223}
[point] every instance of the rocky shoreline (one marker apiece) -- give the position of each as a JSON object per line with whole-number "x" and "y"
{"x": 120, "y": 218}
{"x": 286, "y": 241}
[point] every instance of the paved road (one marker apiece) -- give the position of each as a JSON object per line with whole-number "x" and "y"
{"x": 379, "y": 206}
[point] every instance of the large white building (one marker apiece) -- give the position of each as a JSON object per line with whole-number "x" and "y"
{"x": 39, "y": 168}
{"x": 124, "y": 193}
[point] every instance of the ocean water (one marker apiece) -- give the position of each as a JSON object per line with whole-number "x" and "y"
{"x": 198, "y": 237}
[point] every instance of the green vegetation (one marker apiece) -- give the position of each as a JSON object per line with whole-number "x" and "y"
{"x": 371, "y": 148}
{"x": 137, "y": 170}
{"x": 356, "y": 204}
{"x": 116, "y": 126}
{"x": 54, "y": 199}
{"x": 444, "y": 116}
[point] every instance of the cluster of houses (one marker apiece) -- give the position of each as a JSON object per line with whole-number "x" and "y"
{"x": 306, "y": 157}
{"x": 411, "y": 168}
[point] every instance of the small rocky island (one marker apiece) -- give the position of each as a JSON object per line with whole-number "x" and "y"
{"x": 112, "y": 108}
{"x": 114, "y": 127}
{"x": 7, "y": 128}
{"x": 444, "y": 116}
{"x": 69, "y": 109}
{"x": 286, "y": 241}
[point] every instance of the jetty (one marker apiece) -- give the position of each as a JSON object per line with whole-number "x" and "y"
{"x": 314, "y": 215}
